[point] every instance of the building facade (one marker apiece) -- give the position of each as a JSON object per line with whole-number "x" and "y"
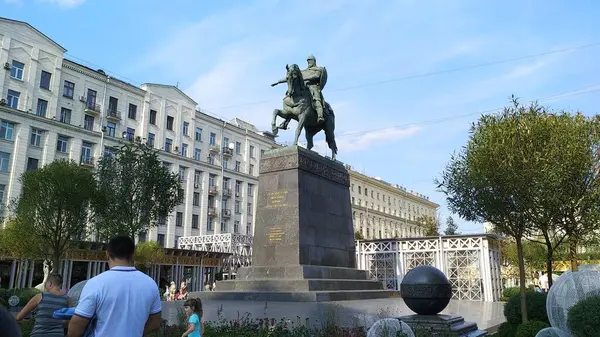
{"x": 381, "y": 210}
{"x": 53, "y": 108}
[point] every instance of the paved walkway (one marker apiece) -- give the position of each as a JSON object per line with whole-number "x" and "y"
{"x": 346, "y": 313}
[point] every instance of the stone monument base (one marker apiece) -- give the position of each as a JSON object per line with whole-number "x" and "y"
{"x": 298, "y": 283}
{"x": 443, "y": 323}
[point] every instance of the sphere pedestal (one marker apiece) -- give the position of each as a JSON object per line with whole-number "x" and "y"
{"x": 427, "y": 292}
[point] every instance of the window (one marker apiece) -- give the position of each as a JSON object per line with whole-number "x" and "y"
{"x": 16, "y": 70}
{"x": 90, "y": 100}
{"x": 238, "y": 166}
{"x": 209, "y": 224}
{"x": 199, "y": 134}
{"x": 152, "y": 117}
{"x": 32, "y": 164}
{"x": 250, "y": 190}
{"x": 6, "y": 130}
{"x": 225, "y": 142}
{"x": 88, "y": 122}
{"x": 225, "y": 162}
{"x": 212, "y": 140}
{"x": 65, "y": 115}
{"x": 12, "y": 99}
{"x": 251, "y": 151}
{"x": 249, "y": 208}
{"x": 184, "y": 148}
{"x": 236, "y": 226}
{"x": 111, "y": 129}
{"x": 45, "y": 80}
{"x": 42, "y": 106}
{"x": 161, "y": 240}
{"x": 142, "y": 237}
{"x": 36, "y": 137}
{"x": 197, "y": 177}
{"x": 161, "y": 220}
{"x": 113, "y": 104}
{"x": 211, "y": 158}
{"x": 186, "y": 127}
{"x": 249, "y": 228}
{"x": 197, "y": 154}
{"x": 2, "y": 188}
{"x": 251, "y": 169}
{"x": 68, "y": 89}
{"x": 129, "y": 134}
{"x": 150, "y": 139}
{"x": 179, "y": 219}
{"x": 62, "y": 144}
{"x": 168, "y": 144}
{"x": 87, "y": 152}
{"x": 223, "y": 226}
{"x": 238, "y": 147}
{"x": 196, "y": 199}
{"x": 194, "y": 221}
{"x": 238, "y": 186}
{"x": 4, "y": 160}
{"x": 170, "y": 123}
{"x": 212, "y": 180}
{"x": 237, "y": 207}
{"x": 182, "y": 171}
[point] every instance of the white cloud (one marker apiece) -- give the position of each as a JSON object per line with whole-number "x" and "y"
{"x": 64, "y": 3}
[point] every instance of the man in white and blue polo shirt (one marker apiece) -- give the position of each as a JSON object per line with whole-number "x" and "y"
{"x": 119, "y": 302}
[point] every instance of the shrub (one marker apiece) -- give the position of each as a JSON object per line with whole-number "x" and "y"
{"x": 583, "y": 317}
{"x": 530, "y": 329}
{"x": 536, "y": 308}
{"x": 24, "y": 294}
{"x": 509, "y": 292}
{"x": 507, "y": 330}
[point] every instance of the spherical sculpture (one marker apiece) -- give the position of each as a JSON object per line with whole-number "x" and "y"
{"x": 426, "y": 290}
{"x": 566, "y": 291}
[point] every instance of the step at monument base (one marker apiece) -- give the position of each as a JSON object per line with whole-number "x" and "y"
{"x": 294, "y": 296}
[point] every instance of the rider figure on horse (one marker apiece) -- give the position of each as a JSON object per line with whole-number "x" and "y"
{"x": 315, "y": 78}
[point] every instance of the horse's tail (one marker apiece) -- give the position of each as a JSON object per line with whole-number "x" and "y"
{"x": 329, "y": 134}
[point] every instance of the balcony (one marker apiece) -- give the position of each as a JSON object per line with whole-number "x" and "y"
{"x": 92, "y": 108}
{"x": 87, "y": 161}
{"x": 212, "y": 190}
{"x": 238, "y": 195}
{"x": 226, "y": 192}
{"x": 227, "y": 152}
{"x": 212, "y": 211}
{"x": 214, "y": 148}
{"x": 113, "y": 115}
{"x": 226, "y": 213}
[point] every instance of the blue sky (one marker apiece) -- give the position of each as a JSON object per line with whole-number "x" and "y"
{"x": 225, "y": 54}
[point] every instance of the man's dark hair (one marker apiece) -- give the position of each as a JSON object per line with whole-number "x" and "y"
{"x": 55, "y": 279}
{"x": 121, "y": 247}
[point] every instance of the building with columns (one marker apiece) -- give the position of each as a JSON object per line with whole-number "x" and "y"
{"x": 381, "y": 210}
{"x": 53, "y": 108}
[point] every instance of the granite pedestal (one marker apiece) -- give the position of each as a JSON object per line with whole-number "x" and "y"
{"x": 303, "y": 247}
{"x": 443, "y": 324}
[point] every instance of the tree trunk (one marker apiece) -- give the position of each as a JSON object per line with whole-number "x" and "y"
{"x": 549, "y": 256}
{"x": 521, "y": 261}
{"x": 573, "y": 253}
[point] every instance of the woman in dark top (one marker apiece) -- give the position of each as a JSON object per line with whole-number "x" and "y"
{"x": 45, "y": 304}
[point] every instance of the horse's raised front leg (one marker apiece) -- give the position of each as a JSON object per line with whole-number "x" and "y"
{"x": 274, "y": 128}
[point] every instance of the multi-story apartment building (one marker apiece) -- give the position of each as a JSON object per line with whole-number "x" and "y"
{"x": 381, "y": 210}
{"x": 54, "y": 108}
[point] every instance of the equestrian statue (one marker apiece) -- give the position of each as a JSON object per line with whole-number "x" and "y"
{"x": 304, "y": 103}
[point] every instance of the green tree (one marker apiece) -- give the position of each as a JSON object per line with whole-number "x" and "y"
{"x": 147, "y": 253}
{"x": 134, "y": 189}
{"x": 430, "y": 224}
{"x": 492, "y": 178}
{"x": 358, "y": 235}
{"x": 51, "y": 212}
{"x": 451, "y": 227}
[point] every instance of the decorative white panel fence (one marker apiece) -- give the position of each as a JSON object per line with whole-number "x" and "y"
{"x": 471, "y": 263}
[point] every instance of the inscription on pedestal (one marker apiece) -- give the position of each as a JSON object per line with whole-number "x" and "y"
{"x": 275, "y": 234}
{"x": 276, "y": 199}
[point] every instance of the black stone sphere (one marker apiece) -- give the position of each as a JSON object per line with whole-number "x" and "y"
{"x": 426, "y": 290}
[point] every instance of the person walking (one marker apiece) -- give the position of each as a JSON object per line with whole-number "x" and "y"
{"x": 46, "y": 303}
{"x": 122, "y": 301}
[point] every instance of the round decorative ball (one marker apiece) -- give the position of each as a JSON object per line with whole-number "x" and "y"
{"x": 13, "y": 301}
{"x": 426, "y": 290}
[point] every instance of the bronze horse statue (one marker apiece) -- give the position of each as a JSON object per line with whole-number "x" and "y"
{"x": 298, "y": 105}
